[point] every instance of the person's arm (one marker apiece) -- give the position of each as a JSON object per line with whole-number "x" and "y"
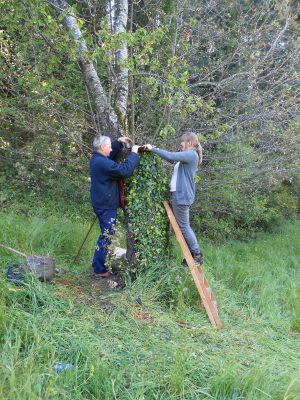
{"x": 173, "y": 156}
{"x": 116, "y": 146}
{"x": 123, "y": 170}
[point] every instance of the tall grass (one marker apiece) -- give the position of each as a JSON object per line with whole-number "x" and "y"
{"x": 123, "y": 351}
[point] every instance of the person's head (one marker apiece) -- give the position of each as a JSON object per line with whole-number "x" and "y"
{"x": 189, "y": 140}
{"x": 103, "y": 145}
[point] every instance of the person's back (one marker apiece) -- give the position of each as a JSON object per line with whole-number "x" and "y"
{"x": 105, "y": 175}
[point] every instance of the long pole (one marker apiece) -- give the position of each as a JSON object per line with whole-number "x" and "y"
{"x": 86, "y": 236}
{"x": 13, "y": 250}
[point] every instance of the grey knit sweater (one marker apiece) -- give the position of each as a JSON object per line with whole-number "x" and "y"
{"x": 185, "y": 185}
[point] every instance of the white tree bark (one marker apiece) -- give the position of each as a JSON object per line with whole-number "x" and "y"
{"x": 109, "y": 124}
{"x": 121, "y": 56}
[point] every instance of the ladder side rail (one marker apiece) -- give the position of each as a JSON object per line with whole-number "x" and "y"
{"x": 208, "y": 300}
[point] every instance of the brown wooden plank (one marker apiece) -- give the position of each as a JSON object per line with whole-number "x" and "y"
{"x": 205, "y": 281}
{"x": 211, "y": 299}
{"x": 200, "y": 280}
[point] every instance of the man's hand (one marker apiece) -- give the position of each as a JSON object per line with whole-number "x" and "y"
{"x": 135, "y": 148}
{"x": 148, "y": 146}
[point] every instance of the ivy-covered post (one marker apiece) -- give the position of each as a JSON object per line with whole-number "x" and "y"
{"x": 148, "y": 225}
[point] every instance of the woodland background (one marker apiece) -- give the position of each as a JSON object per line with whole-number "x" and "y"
{"x": 228, "y": 70}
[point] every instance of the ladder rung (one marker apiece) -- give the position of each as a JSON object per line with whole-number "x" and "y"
{"x": 202, "y": 276}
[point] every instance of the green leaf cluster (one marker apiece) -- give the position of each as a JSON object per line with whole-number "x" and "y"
{"x": 145, "y": 192}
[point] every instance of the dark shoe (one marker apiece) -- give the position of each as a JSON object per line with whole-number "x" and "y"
{"x": 184, "y": 263}
{"x": 103, "y": 275}
{"x": 198, "y": 258}
{"x": 60, "y": 271}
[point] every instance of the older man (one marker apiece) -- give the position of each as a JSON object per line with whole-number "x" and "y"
{"x": 106, "y": 192}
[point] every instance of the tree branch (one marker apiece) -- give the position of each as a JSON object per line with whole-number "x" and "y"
{"x": 107, "y": 117}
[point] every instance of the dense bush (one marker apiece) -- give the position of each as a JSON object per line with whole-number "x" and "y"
{"x": 49, "y": 193}
{"x": 229, "y": 212}
{"x": 219, "y": 213}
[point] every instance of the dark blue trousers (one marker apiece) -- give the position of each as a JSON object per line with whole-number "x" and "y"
{"x": 107, "y": 222}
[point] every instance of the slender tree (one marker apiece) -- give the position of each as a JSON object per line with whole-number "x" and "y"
{"x": 106, "y": 115}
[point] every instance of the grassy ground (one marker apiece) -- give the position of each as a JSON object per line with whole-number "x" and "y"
{"x": 121, "y": 350}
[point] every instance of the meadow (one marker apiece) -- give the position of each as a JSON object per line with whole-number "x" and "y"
{"x": 164, "y": 348}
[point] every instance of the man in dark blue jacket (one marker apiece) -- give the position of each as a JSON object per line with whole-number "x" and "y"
{"x": 106, "y": 193}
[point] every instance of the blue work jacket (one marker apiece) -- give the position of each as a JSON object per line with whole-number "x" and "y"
{"x": 105, "y": 177}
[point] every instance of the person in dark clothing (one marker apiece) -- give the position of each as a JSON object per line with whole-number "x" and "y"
{"x": 105, "y": 192}
{"x": 182, "y": 186}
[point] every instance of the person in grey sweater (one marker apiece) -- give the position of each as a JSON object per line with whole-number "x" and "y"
{"x": 182, "y": 185}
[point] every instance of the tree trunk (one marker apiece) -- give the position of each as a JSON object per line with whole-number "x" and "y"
{"x": 121, "y": 60}
{"x": 109, "y": 124}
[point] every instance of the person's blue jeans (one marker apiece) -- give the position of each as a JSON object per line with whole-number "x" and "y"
{"x": 107, "y": 221}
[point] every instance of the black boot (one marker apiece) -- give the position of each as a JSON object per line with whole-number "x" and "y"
{"x": 184, "y": 263}
{"x": 198, "y": 258}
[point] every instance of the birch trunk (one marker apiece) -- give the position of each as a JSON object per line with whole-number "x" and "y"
{"x": 117, "y": 11}
{"x": 109, "y": 124}
{"x": 108, "y": 118}
{"x": 121, "y": 57}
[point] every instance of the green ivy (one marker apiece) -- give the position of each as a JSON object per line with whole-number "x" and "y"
{"x": 145, "y": 192}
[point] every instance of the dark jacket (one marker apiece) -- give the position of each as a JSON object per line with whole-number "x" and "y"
{"x": 105, "y": 177}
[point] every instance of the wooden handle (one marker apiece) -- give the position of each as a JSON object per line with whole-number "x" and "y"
{"x": 13, "y": 250}
{"x": 90, "y": 228}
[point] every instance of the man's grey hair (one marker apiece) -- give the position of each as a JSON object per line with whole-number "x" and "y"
{"x": 101, "y": 141}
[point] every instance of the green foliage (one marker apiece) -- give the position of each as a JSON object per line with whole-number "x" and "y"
{"x": 228, "y": 212}
{"x": 294, "y": 303}
{"x": 39, "y": 125}
{"x": 189, "y": 67}
{"x": 284, "y": 200}
{"x": 145, "y": 192}
{"x": 48, "y": 193}
{"x": 233, "y": 200}
{"x": 3, "y": 315}
{"x": 233, "y": 212}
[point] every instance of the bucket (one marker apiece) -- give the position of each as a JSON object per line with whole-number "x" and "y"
{"x": 43, "y": 267}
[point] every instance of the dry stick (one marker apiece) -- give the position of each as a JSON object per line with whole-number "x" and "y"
{"x": 78, "y": 252}
{"x": 13, "y": 250}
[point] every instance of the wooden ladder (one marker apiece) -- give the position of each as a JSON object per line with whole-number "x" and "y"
{"x": 206, "y": 295}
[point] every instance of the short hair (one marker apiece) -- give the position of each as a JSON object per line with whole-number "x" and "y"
{"x": 100, "y": 141}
